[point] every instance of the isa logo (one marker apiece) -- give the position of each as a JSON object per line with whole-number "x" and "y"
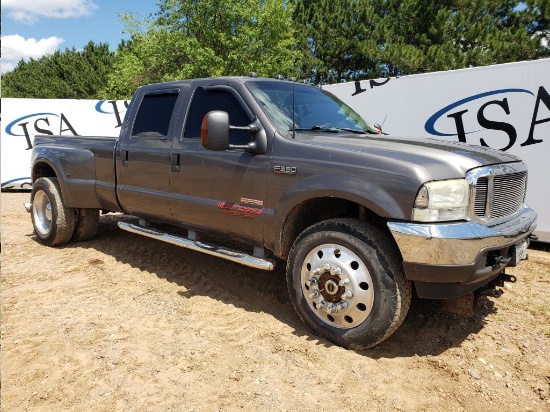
{"x": 40, "y": 123}
{"x": 495, "y": 118}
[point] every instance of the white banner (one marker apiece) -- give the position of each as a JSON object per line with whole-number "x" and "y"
{"x": 22, "y": 119}
{"x": 505, "y": 107}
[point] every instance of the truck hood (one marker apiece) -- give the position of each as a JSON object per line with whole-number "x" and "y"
{"x": 440, "y": 159}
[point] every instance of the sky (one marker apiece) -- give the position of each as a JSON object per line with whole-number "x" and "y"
{"x": 33, "y": 28}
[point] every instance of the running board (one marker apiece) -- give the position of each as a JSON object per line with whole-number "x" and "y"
{"x": 199, "y": 246}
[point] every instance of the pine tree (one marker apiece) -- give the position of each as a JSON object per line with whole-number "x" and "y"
{"x": 335, "y": 39}
{"x": 350, "y": 39}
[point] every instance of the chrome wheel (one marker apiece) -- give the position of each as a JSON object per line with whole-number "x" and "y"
{"x": 337, "y": 286}
{"x": 346, "y": 281}
{"x": 53, "y": 223}
{"x": 42, "y": 212}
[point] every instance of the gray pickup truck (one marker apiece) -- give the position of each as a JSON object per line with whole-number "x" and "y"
{"x": 292, "y": 172}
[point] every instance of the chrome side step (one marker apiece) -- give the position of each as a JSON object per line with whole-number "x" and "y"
{"x": 199, "y": 246}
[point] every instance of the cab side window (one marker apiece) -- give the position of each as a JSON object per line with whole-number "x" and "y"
{"x": 154, "y": 115}
{"x": 205, "y": 101}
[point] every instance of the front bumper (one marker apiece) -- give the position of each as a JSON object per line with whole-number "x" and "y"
{"x": 451, "y": 259}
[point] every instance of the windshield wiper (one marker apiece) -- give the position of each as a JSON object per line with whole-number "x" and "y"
{"x": 316, "y": 128}
{"x": 358, "y": 131}
{"x": 333, "y": 129}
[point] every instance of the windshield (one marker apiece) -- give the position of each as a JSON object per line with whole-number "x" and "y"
{"x": 314, "y": 109}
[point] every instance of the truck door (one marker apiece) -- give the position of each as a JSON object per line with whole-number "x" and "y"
{"x": 143, "y": 156}
{"x": 223, "y": 190}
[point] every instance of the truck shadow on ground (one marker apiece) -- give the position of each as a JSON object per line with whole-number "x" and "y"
{"x": 426, "y": 331}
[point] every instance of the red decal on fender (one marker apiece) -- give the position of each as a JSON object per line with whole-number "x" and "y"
{"x": 239, "y": 211}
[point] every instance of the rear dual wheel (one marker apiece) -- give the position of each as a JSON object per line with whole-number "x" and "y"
{"x": 347, "y": 283}
{"x": 55, "y": 224}
{"x": 87, "y": 224}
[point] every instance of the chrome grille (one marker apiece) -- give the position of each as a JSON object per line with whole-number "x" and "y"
{"x": 498, "y": 196}
{"x": 481, "y": 196}
{"x": 508, "y": 194}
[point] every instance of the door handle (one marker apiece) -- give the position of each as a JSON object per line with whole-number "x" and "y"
{"x": 175, "y": 162}
{"x": 124, "y": 155}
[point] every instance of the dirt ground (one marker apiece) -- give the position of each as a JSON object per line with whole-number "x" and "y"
{"x": 126, "y": 323}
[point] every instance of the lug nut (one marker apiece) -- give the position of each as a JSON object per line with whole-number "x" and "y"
{"x": 312, "y": 281}
{"x": 336, "y": 271}
{"x": 314, "y": 294}
{"x": 322, "y": 305}
{"x": 344, "y": 282}
{"x": 342, "y": 306}
{"x": 347, "y": 295}
{"x": 325, "y": 267}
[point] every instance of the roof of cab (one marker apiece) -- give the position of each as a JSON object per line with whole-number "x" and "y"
{"x": 212, "y": 80}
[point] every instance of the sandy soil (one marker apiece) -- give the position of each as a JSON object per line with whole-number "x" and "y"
{"x": 127, "y": 323}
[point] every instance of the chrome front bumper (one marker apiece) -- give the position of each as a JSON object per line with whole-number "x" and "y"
{"x": 465, "y": 253}
{"x": 458, "y": 243}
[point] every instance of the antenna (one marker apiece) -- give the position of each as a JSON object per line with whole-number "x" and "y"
{"x": 293, "y": 111}
{"x": 384, "y": 120}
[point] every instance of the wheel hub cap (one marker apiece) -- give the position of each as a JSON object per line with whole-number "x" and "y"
{"x": 331, "y": 287}
{"x": 42, "y": 212}
{"x": 337, "y": 286}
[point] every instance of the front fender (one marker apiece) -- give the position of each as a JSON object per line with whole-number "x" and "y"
{"x": 380, "y": 198}
{"x": 390, "y": 197}
{"x": 75, "y": 170}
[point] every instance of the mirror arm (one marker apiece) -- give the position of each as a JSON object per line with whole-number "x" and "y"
{"x": 251, "y": 128}
{"x": 239, "y": 146}
{"x": 254, "y": 129}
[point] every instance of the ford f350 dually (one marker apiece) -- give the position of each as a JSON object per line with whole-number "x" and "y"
{"x": 292, "y": 172}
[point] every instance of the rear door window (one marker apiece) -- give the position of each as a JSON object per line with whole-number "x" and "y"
{"x": 154, "y": 115}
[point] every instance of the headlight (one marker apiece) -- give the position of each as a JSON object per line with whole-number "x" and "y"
{"x": 442, "y": 201}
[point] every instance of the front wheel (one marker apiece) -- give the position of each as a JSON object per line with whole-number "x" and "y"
{"x": 53, "y": 222}
{"x": 346, "y": 282}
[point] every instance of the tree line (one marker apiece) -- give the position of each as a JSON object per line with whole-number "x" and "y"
{"x": 321, "y": 41}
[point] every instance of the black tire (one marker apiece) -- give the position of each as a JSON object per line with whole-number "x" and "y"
{"x": 87, "y": 224}
{"x": 361, "y": 311}
{"x": 53, "y": 222}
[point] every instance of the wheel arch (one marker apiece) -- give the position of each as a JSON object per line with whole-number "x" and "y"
{"x": 312, "y": 211}
{"x": 42, "y": 168}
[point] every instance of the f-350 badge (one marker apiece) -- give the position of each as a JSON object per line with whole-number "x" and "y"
{"x": 284, "y": 170}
